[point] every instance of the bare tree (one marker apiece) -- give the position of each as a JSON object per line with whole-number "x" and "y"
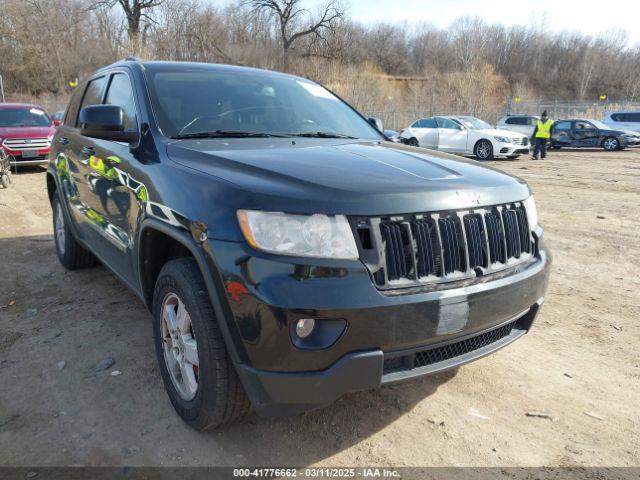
{"x": 137, "y": 13}
{"x": 294, "y": 21}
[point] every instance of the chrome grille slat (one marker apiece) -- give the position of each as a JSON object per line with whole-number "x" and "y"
{"x": 442, "y": 247}
{"x": 26, "y": 143}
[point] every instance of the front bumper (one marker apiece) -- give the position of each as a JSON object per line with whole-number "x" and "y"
{"x": 41, "y": 157}
{"x": 385, "y": 331}
{"x": 510, "y": 149}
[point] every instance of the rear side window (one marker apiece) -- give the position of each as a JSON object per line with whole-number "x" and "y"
{"x": 120, "y": 93}
{"x": 93, "y": 94}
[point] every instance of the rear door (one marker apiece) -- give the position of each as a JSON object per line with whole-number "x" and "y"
{"x": 429, "y": 135}
{"x": 78, "y": 150}
{"x": 452, "y": 137}
{"x": 561, "y": 134}
{"x": 426, "y": 132}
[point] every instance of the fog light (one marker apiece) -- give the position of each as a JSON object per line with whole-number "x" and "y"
{"x": 304, "y": 327}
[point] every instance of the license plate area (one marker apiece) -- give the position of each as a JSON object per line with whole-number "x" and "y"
{"x": 29, "y": 153}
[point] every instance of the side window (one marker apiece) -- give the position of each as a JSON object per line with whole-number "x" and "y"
{"x": 566, "y": 126}
{"x": 416, "y": 124}
{"x": 448, "y": 124}
{"x": 71, "y": 116}
{"x": 583, "y": 126}
{"x": 517, "y": 121}
{"x": 618, "y": 117}
{"x": 429, "y": 123}
{"x": 120, "y": 93}
{"x": 533, "y": 121}
{"x": 632, "y": 117}
{"x": 93, "y": 94}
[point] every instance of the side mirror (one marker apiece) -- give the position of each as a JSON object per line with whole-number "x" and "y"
{"x": 376, "y": 122}
{"x": 57, "y": 123}
{"x": 105, "y": 122}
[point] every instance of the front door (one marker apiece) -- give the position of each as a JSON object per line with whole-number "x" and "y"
{"x": 585, "y": 134}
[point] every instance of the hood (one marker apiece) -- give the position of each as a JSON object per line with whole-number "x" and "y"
{"x": 346, "y": 176}
{"x": 26, "y": 132}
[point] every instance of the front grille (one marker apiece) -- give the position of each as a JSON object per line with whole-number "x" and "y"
{"x": 428, "y": 248}
{"x": 430, "y": 356}
{"x": 27, "y": 143}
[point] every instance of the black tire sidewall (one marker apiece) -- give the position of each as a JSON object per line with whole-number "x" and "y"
{"x": 64, "y": 257}
{"x": 173, "y": 280}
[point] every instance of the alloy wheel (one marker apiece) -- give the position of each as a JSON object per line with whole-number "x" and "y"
{"x": 483, "y": 150}
{"x": 610, "y": 144}
{"x": 179, "y": 346}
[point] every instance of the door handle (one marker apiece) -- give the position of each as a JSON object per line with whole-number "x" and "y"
{"x": 88, "y": 151}
{"x": 63, "y": 141}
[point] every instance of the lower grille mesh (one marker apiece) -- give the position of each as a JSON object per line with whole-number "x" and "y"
{"x": 431, "y": 356}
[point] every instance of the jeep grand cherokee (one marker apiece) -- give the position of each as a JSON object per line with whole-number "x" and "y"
{"x": 287, "y": 252}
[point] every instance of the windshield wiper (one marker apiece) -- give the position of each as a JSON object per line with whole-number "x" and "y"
{"x": 322, "y": 135}
{"x": 228, "y": 134}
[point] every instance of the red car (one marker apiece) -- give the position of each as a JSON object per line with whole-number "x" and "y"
{"x": 26, "y": 132}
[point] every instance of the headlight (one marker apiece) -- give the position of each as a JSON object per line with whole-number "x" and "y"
{"x": 532, "y": 212}
{"x": 318, "y": 235}
{"x": 503, "y": 139}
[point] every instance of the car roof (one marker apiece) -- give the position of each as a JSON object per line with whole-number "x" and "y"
{"x": 6, "y": 106}
{"x": 182, "y": 66}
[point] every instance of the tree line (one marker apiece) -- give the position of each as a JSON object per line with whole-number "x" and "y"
{"x": 469, "y": 67}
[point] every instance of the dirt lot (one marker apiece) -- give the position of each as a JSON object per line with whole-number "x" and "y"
{"x": 580, "y": 363}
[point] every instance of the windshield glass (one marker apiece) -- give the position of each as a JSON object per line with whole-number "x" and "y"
{"x": 599, "y": 124}
{"x": 473, "y": 123}
{"x": 23, "y": 117}
{"x": 200, "y": 100}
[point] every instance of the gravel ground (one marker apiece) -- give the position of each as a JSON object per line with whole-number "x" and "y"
{"x": 579, "y": 364}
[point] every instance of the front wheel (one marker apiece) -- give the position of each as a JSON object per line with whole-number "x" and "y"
{"x": 610, "y": 144}
{"x": 413, "y": 142}
{"x": 198, "y": 374}
{"x": 483, "y": 150}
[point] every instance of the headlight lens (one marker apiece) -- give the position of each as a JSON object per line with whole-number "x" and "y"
{"x": 532, "y": 212}
{"x": 317, "y": 235}
{"x": 503, "y": 139}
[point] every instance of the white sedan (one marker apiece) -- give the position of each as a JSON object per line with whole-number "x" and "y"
{"x": 466, "y": 136}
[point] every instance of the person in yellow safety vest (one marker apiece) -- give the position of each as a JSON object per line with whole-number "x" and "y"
{"x": 541, "y": 136}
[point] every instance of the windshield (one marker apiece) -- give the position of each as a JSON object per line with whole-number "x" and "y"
{"x": 23, "y": 117}
{"x": 473, "y": 123}
{"x": 197, "y": 101}
{"x": 599, "y": 124}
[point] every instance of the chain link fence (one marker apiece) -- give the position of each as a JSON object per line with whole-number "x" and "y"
{"x": 559, "y": 110}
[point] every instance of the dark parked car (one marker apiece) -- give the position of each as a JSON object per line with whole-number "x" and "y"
{"x": 581, "y": 133}
{"x": 288, "y": 253}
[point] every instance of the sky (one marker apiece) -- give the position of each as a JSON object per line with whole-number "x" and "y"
{"x": 587, "y": 16}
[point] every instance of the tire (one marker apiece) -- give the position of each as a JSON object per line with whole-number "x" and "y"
{"x": 413, "y": 141}
{"x": 71, "y": 254}
{"x": 217, "y": 397}
{"x": 610, "y": 144}
{"x": 4, "y": 179}
{"x": 483, "y": 150}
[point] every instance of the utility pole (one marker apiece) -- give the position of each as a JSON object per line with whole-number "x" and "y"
{"x": 2, "y": 88}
